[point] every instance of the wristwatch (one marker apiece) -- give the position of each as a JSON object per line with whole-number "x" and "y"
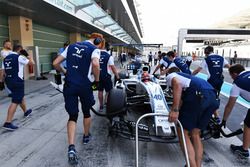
{"x": 175, "y": 110}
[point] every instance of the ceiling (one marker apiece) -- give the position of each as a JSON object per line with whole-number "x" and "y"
{"x": 41, "y": 12}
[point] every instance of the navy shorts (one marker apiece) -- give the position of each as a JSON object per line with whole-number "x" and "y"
{"x": 72, "y": 94}
{"x": 105, "y": 84}
{"x": 196, "y": 111}
{"x": 17, "y": 92}
{"x": 217, "y": 84}
{"x": 247, "y": 119}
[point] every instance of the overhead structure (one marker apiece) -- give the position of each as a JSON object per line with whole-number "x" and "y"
{"x": 139, "y": 45}
{"x": 210, "y": 35}
{"x": 83, "y": 16}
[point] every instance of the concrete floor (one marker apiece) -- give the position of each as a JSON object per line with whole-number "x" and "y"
{"x": 41, "y": 140}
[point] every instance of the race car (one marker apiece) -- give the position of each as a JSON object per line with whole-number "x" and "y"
{"x": 139, "y": 93}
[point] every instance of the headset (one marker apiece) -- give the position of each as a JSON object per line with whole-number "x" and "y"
{"x": 97, "y": 41}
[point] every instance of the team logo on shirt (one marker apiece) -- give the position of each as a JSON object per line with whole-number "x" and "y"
{"x": 216, "y": 63}
{"x": 8, "y": 66}
{"x": 78, "y": 52}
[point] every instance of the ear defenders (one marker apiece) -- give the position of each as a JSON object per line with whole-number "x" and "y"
{"x": 97, "y": 41}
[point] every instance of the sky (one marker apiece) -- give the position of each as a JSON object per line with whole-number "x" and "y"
{"x": 162, "y": 19}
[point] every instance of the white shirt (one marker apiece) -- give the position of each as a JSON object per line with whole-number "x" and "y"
{"x": 185, "y": 82}
{"x": 203, "y": 65}
{"x": 156, "y": 56}
{"x": 5, "y": 53}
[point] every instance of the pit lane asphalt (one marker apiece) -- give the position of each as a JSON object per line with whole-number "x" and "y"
{"x": 41, "y": 140}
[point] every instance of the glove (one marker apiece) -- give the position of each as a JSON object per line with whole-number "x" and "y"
{"x": 155, "y": 75}
{"x": 95, "y": 85}
{"x": 2, "y": 86}
{"x": 223, "y": 123}
{"x": 58, "y": 79}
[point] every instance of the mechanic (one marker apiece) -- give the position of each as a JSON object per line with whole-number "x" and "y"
{"x": 213, "y": 64}
{"x": 164, "y": 61}
{"x": 13, "y": 74}
{"x": 106, "y": 63}
{"x": 241, "y": 87}
{"x": 176, "y": 62}
{"x": 198, "y": 104}
{"x": 7, "y": 49}
{"x": 82, "y": 60}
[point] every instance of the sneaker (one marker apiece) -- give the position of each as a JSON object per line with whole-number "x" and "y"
{"x": 101, "y": 109}
{"x": 9, "y": 126}
{"x": 28, "y": 112}
{"x": 86, "y": 138}
{"x": 238, "y": 150}
{"x": 72, "y": 156}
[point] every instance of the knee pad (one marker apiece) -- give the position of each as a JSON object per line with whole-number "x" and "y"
{"x": 73, "y": 117}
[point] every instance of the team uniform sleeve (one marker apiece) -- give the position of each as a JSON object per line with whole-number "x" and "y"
{"x": 161, "y": 61}
{"x": 203, "y": 64}
{"x": 64, "y": 53}
{"x": 235, "y": 91}
{"x": 111, "y": 61}
{"x": 172, "y": 65}
{"x": 225, "y": 62}
{"x": 96, "y": 54}
{"x": 169, "y": 79}
{"x": 23, "y": 60}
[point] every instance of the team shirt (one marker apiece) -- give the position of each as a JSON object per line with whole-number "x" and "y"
{"x": 165, "y": 61}
{"x": 106, "y": 60}
{"x": 63, "y": 64}
{"x": 79, "y": 66}
{"x": 181, "y": 64}
{"x": 241, "y": 86}
{"x": 14, "y": 67}
{"x": 188, "y": 81}
{"x": 205, "y": 66}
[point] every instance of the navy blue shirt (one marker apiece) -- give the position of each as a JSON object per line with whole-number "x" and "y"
{"x": 165, "y": 61}
{"x": 104, "y": 58}
{"x": 13, "y": 66}
{"x": 215, "y": 66}
{"x": 182, "y": 65}
{"x": 243, "y": 81}
{"x": 196, "y": 82}
{"x": 78, "y": 58}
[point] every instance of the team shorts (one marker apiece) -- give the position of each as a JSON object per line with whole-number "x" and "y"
{"x": 72, "y": 94}
{"x": 217, "y": 84}
{"x": 17, "y": 91}
{"x": 247, "y": 118}
{"x": 196, "y": 111}
{"x": 105, "y": 83}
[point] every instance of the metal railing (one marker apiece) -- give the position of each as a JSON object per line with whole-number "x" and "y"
{"x": 137, "y": 137}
